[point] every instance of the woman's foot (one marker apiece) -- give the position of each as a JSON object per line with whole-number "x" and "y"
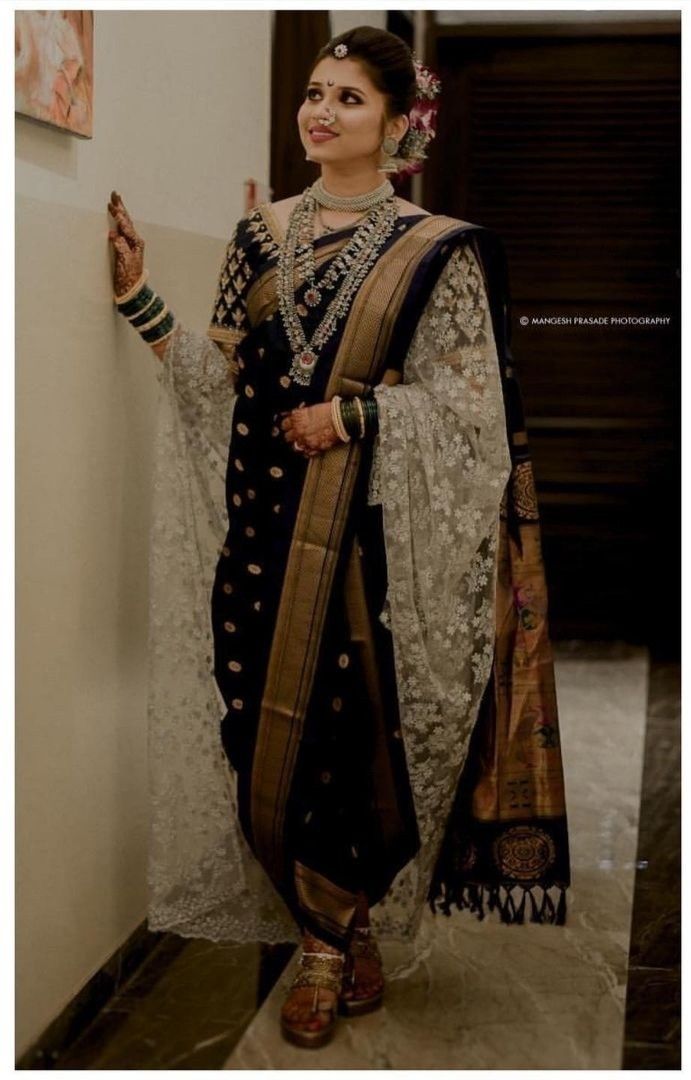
{"x": 311, "y": 1008}
{"x": 363, "y": 976}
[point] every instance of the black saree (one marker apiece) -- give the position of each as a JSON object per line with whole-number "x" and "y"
{"x": 301, "y": 658}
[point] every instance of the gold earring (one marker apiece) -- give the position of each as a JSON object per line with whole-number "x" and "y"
{"x": 389, "y": 147}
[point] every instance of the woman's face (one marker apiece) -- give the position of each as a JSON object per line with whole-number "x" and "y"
{"x": 359, "y": 109}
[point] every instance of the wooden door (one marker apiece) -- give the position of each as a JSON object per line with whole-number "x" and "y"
{"x": 568, "y": 145}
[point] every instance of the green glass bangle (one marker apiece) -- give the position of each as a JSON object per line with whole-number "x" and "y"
{"x": 135, "y": 305}
{"x": 156, "y": 332}
{"x": 150, "y": 313}
{"x": 345, "y": 414}
{"x": 349, "y": 415}
{"x": 371, "y": 415}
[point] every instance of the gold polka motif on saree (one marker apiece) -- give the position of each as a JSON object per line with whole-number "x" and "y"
{"x": 276, "y": 471}
{"x": 238, "y": 465}
{"x": 343, "y": 660}
{"x": 249, "y": 531}
{"x": 237, "y": 500}
{"x": 235, "y": 665}
{"x": 284, "y": 381}
{"x": 225, "y": 551}
{"x": 251, "y": 493}
{"x": 249, "y": 390}
{"x": 230, "y": 627}
{"x": 254, "y": 568}
{"x": 237, "y": 703}
{"x": 243, "y": 429}
{"x": 227, "y": 587}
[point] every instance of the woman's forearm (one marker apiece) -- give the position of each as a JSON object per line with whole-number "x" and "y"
{"x": 160, "y": 347}
{"x": 148, "y": 313}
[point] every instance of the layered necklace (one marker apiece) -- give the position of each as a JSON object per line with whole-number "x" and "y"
{"x": 345, "y": 273}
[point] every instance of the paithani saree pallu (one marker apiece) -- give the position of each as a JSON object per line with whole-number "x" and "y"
{"x": 351, "y": 686}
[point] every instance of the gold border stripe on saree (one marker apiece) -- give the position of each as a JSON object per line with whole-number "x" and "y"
{"x": 329, "y": 904}
{"x": 327, "y": 490}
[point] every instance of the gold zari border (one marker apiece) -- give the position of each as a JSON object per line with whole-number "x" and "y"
{"x": 331, "y": 906}
{"x": 326, "y": 495}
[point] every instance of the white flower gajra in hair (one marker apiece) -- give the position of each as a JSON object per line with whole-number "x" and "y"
{"x": 423, "y": 121}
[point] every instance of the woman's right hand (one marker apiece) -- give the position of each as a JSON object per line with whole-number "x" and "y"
{"x": 128, "y": 246}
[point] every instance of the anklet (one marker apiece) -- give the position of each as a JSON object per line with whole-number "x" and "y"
{"x": 306, "y": 952}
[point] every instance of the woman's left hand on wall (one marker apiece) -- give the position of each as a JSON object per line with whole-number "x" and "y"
{"x": 128, "y": 246}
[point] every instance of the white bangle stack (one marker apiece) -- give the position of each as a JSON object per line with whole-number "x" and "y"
{"x": 337, "y": 420}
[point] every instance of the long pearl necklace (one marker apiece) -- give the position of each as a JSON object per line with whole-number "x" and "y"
{"x": 352, "y": 264}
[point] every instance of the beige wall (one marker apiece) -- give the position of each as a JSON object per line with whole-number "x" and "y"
{"x": 347, "y": 20}
{"x": 181, "y": 119}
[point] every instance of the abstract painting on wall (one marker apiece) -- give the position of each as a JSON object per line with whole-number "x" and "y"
{"x": 54, "y": 68}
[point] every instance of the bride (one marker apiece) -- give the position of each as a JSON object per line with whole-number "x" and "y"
{"x": 335, "y": 456}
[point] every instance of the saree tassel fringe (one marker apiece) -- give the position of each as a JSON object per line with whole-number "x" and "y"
{"x": 475, "y": 897}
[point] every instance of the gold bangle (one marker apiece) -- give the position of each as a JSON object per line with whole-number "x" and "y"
{"x": 361, "y": 412}
{"x": 334, "y": 421}
{"x": 155, "y": 321}
{"x": 337, "y": 420}
{"x": 133, "y": 290}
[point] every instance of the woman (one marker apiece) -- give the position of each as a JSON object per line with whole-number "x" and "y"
{"x": 373, "y": 509}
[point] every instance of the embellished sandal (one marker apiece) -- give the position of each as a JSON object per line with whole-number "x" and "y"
{"x": 317, "y": 969}
{"x": 363, "y": 945}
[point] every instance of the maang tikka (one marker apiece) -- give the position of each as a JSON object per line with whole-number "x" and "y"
{"x": 339, "y": 52}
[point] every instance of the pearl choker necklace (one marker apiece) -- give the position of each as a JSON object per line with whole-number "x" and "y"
{"x": 350, "y": 203}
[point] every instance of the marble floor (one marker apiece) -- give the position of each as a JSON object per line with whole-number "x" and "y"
{"x": 491, "y": 996}
{"x": 483, "y": 994}
{"x": 653, "y": 992}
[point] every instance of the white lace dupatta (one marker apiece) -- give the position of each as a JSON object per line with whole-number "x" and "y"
{"x": 441, "y": 462}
